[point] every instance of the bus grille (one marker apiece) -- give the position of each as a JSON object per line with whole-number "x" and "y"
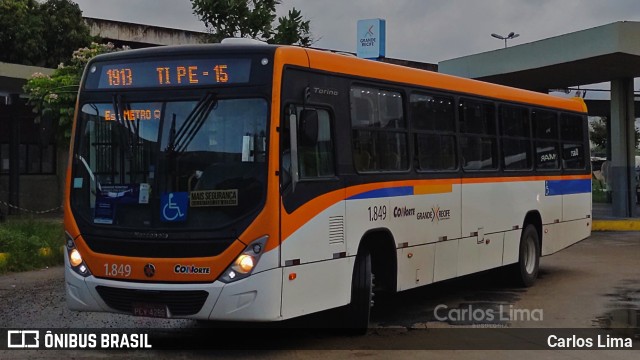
{"x": 180, "y": 303}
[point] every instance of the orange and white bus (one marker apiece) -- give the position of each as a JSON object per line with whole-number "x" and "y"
{"x": 260, "y": 183}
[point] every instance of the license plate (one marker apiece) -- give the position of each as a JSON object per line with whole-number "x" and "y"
{"x": 150, "y": 310}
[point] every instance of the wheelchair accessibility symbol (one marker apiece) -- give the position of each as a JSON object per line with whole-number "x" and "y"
{"x": 174, "y": 206}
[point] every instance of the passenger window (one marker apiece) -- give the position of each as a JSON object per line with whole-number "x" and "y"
{"x": 379, "y": 130}
{"x": 479, "y": 147}
{"x": 545, "y": 129}
{"x": 545, "y": 124}
{"x": 516, "y": 141}
{"x": 547, "y": 155}
{"x": 433, "y": 122}
{"x": 573, "y": 141}
{"x": 432, "y": 113}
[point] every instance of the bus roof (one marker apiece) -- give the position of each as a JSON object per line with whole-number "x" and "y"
{"x": 350, "y": 65}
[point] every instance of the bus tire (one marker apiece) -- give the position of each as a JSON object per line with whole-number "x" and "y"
{"x": 359, "y": 310}
{"x": 526, "y": 270}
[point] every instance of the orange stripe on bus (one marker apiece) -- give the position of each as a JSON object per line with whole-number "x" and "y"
{"x": 432, "y": 189}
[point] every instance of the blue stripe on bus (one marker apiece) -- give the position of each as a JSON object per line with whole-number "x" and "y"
{"x": 382, "y": 193}
{"x": 567, "y": 187}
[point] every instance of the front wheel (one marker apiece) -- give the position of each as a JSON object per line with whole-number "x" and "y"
{"x": 526, "y": 270}
{"x": 359, "y": 310}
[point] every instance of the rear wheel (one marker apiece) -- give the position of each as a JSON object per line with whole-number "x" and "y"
{"x": 359, "y": 309}
{"x": 526, "y": 270}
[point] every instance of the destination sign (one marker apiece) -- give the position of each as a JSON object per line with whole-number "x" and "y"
{"x": 169, "y": 73}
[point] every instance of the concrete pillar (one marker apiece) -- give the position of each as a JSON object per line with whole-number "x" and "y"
{"x": 622, "y": 170}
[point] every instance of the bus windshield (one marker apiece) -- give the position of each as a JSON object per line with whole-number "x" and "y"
{"x": 192, "y": 164}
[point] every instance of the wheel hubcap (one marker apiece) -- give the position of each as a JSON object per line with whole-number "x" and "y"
{"x": 530, "y": 256}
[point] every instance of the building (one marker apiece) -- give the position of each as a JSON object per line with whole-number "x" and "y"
{"x": 32, "y": 166}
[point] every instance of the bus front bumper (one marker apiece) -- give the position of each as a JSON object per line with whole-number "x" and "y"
{"x": 256, "y": 298}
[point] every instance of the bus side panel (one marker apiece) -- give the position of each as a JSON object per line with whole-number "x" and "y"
{"x": 317, "y": 239}
{"x": 446, "y": 262}
{"x": 480, "y": 253}
{"x": 316, "y": 286}
{"x": 511, "y": 247}
{"x": 576, "y": 206}
{"x": 562, "y": 235}
{"x": 415, "y": 266}
{"x": 495, "y": 205}
{"x": 316, "y": 254}
{"x": 430, "y": 216}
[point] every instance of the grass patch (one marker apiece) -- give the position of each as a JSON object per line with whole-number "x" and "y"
{"x": 598, "y": 192}
{"x": 22, "y": 239}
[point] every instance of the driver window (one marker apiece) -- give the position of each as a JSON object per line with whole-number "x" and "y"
{"x": 315, "y": 157}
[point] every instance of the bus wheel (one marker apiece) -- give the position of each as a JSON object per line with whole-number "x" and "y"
{"x": 526, "y": 270}
{"x": 359, "y": 309}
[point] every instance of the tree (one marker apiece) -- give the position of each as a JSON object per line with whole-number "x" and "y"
{"x": 292, "y": 30}
{"x": 54, "y": 97}
{"x": 253, "y": 19}
{"x": 40, "y": 34}
{"x": 598, "y": 132}
{"x": 21, "y": 30}
{"x": 65, "y": 31}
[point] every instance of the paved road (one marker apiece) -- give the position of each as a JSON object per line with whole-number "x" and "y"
{"x": 591, "y": 285}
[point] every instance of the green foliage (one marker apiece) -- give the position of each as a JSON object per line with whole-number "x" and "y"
{"x": 292, "y": 29}
{"x": 40, "y": 34}
{"x": 54, "y": 97}
{"x": 65, "y": 30}
{"x": 598, "y": 132}
{"x": 23, "y": 241}
{"x": 253, "y": 19}
{"x": 21, "y": 30}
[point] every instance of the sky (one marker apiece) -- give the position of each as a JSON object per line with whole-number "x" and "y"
{"x": 420, "y": 30}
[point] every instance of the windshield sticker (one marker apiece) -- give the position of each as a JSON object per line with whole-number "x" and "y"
{"x": 123, "y": 194}
{"x": 143, "y": 197}
{"x": 214, "y": 198}
{"x": 77, "y": 183}
{"x": 174, "y": 206}
{"x": 105, "y": 211}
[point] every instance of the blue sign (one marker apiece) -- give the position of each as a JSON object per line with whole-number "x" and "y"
{"x": 371, "y": 38}
{"x": 174, "y": 206}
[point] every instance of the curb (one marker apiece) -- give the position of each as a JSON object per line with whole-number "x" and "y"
{"x": 616, "y": 225}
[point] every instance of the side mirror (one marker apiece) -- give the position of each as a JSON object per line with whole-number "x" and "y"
{"x": 308, "y": 127}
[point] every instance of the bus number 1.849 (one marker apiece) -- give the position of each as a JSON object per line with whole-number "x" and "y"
{"x": 377, "y": 213}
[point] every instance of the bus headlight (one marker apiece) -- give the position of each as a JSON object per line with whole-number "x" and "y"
{"x": 75, "y": 259}
{"x": 244, "y": 264}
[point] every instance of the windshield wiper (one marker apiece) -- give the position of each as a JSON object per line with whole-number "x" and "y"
{"x": 132, "y": 129}
{"x": 91, "y": 174}
{"x": 179, "y": 141}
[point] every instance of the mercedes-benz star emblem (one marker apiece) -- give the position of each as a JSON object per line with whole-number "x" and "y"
{"x": 149, "y": 270}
